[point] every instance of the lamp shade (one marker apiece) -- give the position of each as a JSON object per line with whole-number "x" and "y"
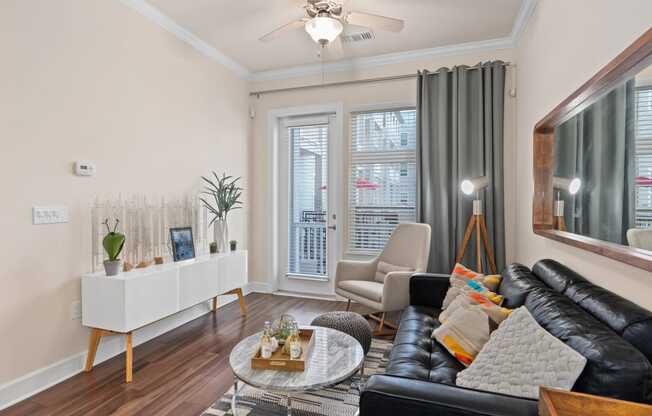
{"x": 469, "y": 186}
{"x": 323, "y": 29}
{"x": 572, "y": 185}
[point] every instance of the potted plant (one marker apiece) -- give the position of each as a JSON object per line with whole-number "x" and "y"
{"x": 223, "y": 197}
{"x": 234, "y": 245}
{"x": 113, "y": 243}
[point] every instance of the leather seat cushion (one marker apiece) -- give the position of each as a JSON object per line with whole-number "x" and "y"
{"x": 415, "y": 355}
{"x": 614, "y": 368}
{"x": 364, "y": 288}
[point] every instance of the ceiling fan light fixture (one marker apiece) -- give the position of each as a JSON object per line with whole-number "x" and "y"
{"x": 323, "y": 29}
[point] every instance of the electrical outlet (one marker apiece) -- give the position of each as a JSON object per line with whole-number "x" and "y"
{"x": 75, "y": 310}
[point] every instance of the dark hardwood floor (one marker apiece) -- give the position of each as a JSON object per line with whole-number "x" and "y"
{"x": 179, "y": 373}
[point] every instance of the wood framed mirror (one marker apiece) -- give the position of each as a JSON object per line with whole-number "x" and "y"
{"x": 593, "y": 162}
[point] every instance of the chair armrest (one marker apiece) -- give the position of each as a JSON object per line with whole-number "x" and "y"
{"x": 428, "y": 289}
{"x": 355, "y": 270}
{"x": 396, "y": 291}
{"x": 391, "y": 395}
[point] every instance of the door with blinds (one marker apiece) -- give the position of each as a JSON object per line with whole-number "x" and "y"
{"x": 308, "y": 220}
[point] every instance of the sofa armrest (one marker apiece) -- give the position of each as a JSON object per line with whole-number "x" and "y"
{"x": 428, "y": 289}
{"x": 391, "y": 395}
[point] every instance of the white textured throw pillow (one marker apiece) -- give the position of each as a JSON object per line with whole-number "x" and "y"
{"x": 521, "y": 356}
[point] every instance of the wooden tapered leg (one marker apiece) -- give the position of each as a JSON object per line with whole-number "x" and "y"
{"x": 243, "y": 306}
{"x": 348, "y": 305}
{"x": 466, "y": 239}
{"x": 129, "y": 359}
{"x": 215, "y": 304}
{"x": 487, "y": 246}
{"x": 381, "y": 325}
{"x": 93, "y": 343}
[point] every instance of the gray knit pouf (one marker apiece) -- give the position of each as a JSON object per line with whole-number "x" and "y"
{"x": 350, "y": 323}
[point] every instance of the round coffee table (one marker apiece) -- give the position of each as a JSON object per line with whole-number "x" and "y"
{"x": 335, "y": 357}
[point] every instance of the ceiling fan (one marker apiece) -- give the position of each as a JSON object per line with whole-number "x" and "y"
{"x": 325, "y": 20}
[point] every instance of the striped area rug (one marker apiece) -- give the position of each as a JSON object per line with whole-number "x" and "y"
{"x": 339, "y": 400}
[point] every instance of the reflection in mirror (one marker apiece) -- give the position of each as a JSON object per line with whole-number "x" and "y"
{"x": 603, "y": 167}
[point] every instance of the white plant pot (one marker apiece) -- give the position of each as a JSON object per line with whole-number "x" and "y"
{"x": 221, "y": 235}
{"x": 112, "y": 268}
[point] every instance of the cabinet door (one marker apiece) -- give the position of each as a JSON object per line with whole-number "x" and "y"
{"x": 150, "y": 297}
{"x": 233, "y": 270}
{"x": 198, "y": 282}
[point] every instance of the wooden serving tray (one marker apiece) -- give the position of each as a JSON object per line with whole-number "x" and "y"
{"x": 281, "y": 361}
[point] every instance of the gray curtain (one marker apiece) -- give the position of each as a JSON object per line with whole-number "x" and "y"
{"x": 598, "y": 146}
{"x": 460, "y": 136}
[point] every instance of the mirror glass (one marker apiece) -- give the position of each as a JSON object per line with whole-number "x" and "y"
{"x": 603, "y": 167}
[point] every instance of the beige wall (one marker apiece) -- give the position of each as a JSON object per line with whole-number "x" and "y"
{"x": 565, "y": 43}
{"x": 94, "y": 80}
{"x": 352, "y": 97}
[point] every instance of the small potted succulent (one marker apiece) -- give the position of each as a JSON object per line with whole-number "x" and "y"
{"x": 213, "y": 247}
{"x": 113, "y": 243}
{"x": 234, "y": 245}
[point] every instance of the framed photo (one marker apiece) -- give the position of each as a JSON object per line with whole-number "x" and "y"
{"x": 183, "y": 246}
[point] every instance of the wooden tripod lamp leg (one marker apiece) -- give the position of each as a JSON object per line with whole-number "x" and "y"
{"x": 467, "y": 237}
{"x": 478, "y": 242}
{"x": 487, "y": 246}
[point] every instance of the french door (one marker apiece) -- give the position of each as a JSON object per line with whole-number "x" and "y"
{"x": 307, "y": 203}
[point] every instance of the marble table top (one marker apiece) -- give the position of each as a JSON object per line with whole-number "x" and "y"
{"x": 335, "y": 357}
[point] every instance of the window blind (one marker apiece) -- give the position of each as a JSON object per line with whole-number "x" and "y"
{"x": 308, "y": 199}
{"x": 644, "y": 157}
{"x": 382, "y": 183}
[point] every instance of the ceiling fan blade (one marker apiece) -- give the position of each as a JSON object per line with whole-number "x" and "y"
{"x": 278, "y": 32}
{"x": 374, "y": 21}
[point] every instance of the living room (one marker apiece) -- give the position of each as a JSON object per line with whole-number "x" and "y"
{"x": 341, "y": 171}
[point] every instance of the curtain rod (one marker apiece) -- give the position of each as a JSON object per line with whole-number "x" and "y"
{"x": 257, "y": 94}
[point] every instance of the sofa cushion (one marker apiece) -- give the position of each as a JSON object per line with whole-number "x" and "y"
{"x": 614, "y": 367}
{"x": 517, "y": 282}
{"x": 364, "y": 288}
{"x": 626, "y": 318}
{"x": 415, "y": 355}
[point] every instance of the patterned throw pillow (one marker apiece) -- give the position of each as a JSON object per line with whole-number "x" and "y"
{"x": 521, "y": 356}
{"x": 464, "y": 333}
{"x": 491, "y": 281}
{"x": 471, "y": 298}
{"x": 461, "y": 276}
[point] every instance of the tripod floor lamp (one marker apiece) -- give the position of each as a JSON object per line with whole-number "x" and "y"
{"x": 572, "y": 186}
{"x": 478, "y": 224}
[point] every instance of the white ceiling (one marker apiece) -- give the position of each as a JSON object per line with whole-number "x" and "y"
{"x": 233, "y": 27}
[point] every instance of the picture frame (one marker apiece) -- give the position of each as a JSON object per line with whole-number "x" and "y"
{"x": 183, "y": 243}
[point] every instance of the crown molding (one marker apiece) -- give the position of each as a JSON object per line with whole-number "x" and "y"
{"x": 381, "y": 60}
{"x": 525, "y": 12}
{"x": 144, "y": 8}
{"x": 164, "y": 21}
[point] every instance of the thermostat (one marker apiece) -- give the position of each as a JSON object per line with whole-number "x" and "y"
{"x": 84, "y": 168}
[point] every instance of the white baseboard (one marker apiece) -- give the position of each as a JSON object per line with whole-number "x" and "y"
{"x": 38, "y": 380}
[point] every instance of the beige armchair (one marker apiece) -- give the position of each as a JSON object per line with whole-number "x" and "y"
{"x": 640, "y": 238}
{"x": 383, "y": 284}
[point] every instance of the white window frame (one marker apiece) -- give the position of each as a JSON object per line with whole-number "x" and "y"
{"x": 346, "y": 206}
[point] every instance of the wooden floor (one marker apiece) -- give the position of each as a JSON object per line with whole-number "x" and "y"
{"x": 178, "y": 373}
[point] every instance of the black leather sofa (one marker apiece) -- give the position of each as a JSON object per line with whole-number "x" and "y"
{"x": 614, "y": 334}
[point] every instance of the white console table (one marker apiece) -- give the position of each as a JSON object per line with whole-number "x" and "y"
{"x": 118, "y": 305}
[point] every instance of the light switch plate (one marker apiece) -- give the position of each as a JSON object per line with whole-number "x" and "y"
{"x": 50, "y": 215}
